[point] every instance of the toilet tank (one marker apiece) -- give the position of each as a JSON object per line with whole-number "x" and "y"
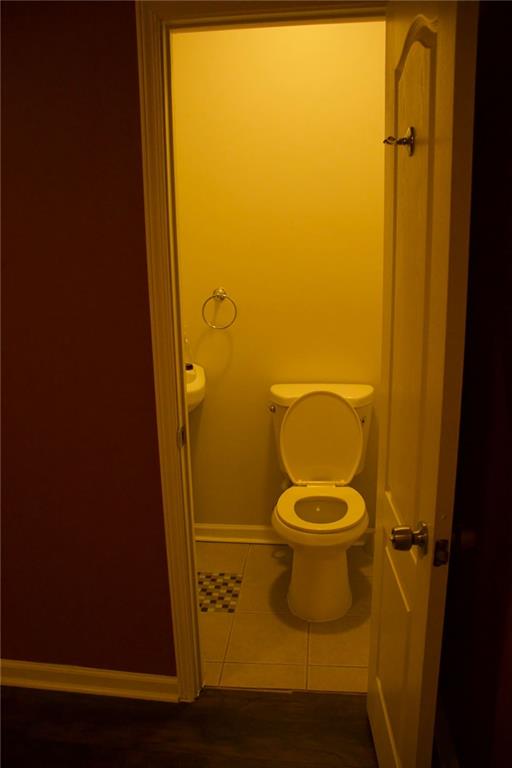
{"x": 360, "y": 397}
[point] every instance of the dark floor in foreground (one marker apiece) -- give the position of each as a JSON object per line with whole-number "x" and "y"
{"x": 253, "y": 729}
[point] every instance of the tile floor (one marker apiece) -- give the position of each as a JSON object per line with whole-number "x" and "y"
{"x": 262, "y": 645}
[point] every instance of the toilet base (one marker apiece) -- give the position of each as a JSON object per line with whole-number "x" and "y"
{"x": 319, "y": 588}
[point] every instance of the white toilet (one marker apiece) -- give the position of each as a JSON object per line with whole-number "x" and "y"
{"x": 322, "y": 433}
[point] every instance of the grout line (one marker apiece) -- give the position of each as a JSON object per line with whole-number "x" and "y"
{"x": 227, "y": 644}
{"x": 244, "y": 564}
{"x": 226, "y": 649}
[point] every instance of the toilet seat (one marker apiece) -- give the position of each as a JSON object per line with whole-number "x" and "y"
{"x": 353, "y": 514}
{"x": 321, "y": 444}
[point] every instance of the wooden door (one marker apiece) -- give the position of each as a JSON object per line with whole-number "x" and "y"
{"x": 430, "y": 54}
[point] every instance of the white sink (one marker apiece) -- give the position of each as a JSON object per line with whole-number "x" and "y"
{"x": 195, "y": 385}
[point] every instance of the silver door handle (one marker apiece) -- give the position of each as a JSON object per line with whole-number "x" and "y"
{"x": 403, "y": 537}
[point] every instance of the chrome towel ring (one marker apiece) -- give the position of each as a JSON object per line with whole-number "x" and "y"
{"x": 219, "y": 294}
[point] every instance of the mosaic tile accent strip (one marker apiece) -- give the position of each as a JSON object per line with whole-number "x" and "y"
{"x": 218, "y": 591}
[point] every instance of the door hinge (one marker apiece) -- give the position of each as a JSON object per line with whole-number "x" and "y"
{"x": 182, "y": 437}
{"x": 441, "y": 552}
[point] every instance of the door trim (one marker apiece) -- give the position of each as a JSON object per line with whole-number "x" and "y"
{"x": 167, "y": 353}
{"x": 155, "y": 20}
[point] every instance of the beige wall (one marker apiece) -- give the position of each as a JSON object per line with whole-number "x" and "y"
{"x": 279, "y": 178}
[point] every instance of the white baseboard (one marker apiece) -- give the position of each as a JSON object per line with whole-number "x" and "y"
{"x": 249, "y": 534}
{"x": 104, "y": 682}
{"x": 244, "y": 534}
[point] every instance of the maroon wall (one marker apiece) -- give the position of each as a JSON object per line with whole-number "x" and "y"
{"x": 85, "y": 578}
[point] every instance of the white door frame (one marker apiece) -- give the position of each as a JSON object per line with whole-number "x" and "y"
{"x": 155, "y": 21}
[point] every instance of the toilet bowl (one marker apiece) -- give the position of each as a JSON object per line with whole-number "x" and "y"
{"x": 320, "y": 516}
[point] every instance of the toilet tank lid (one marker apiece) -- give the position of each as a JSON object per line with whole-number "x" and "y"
{"x": 356, "y": 394}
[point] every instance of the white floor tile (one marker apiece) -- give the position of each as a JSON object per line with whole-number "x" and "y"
{"x": 361, "y": 586}
{"x": 262, "y": 645}
{"x": 268, "y": 638}
{"x": 359, "y": 560}
{"x": 214, "y": 629}
{"x": 267, "y": 561}
{"x": 343, "y": 679}
{"x": 211, "y": 672}
{"x": 266, "y": 580}
{"x": 340, "y": 643}
{"x": 283, "y": 676}
{"x": 218, "y": 557}
{"x": 270, "y": 597}
{"x": 360, "y": 565}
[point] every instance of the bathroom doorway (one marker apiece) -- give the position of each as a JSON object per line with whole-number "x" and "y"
{"x": 279, "y": 189}
{"x": 437, "y": 50}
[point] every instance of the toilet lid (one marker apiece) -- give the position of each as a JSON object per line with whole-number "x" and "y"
{"x": 321, "y": 440}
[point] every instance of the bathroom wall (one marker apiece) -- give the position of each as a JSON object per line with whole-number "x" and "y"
{"x": 279, "y": 182}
